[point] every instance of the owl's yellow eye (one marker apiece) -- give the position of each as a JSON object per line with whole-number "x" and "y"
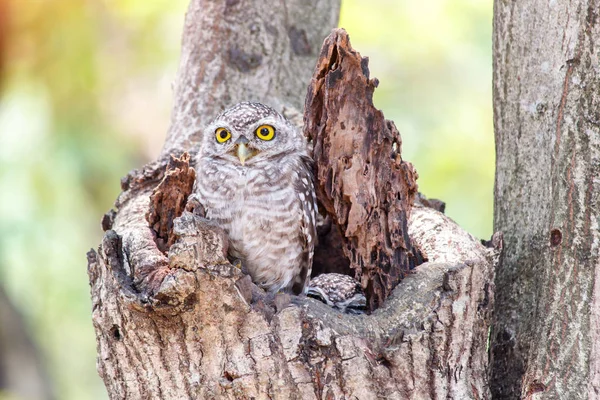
{"x": 265, "y": 132}
{"x": 222, "y": 135}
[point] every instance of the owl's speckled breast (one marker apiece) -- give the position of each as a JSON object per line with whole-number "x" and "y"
{"x": 259, "y": 208}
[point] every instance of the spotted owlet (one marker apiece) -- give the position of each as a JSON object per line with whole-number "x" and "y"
{"x": 255, "y": 180}
{"x": 339, "y": 291}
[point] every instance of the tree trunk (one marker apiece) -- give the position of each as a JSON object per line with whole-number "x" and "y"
{"x": 546, "y": 335}
{"x": 200, "y": 336}
{"x": 175, "y": 320}
{"x": 242, "y": 50}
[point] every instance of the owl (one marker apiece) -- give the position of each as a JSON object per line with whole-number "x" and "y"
{"x": 254, "y": 179}
{"x": 339, "y": 291}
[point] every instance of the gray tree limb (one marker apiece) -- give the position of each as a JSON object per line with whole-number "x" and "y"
{"x": 242, "y": 50}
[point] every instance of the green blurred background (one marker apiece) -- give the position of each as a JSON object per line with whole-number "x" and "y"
{"x": 79, "y": 76}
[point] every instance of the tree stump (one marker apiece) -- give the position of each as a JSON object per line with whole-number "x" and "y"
{"x": 175, "y": 320}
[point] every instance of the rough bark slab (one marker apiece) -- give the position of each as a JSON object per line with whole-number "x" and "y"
{"x": 547, "y": 123}
{"x": 361, "y": 178}
{"x": 170, "y": 198}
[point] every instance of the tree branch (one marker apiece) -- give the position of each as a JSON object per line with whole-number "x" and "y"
{"x": 243, "y": 50}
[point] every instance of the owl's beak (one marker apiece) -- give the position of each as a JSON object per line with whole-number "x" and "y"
{"x": 243, "y": 152}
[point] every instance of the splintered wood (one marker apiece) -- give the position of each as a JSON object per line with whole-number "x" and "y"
{"x": 168, "y": 200}
{"x": 361, "y": 178}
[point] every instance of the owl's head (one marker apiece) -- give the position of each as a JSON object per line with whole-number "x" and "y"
{"x": 250, "y": 132}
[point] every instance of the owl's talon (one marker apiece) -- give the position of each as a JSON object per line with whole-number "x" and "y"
{"x": 236, "y": 262}
{"x": 299, "y": 301}
{"x": 271, "y": 303}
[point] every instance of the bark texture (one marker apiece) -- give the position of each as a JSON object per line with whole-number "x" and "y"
{"x": 185, "y": 323}
{"x": 169, "y": 199}
{"x": 546, "y": 333}
{"x": 201, "y": 336}
{"x": 361, "y": 178}
{"x": 244, "y": 50}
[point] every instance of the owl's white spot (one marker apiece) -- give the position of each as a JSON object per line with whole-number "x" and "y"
{"x": 305, "y": 181}
{"x": 309, "y": 238}
{"x": 301, "y": 195}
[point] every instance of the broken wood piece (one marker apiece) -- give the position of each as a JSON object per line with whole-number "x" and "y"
{"x": 361, "y": 179}
{"x": 169, "y": 198}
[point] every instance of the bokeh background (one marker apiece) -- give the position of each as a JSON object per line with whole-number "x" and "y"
{"x": 85, "y": 96}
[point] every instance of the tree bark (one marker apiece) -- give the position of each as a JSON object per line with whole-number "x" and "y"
{"x": 242, "y": 50}
{"x": 200, "y": 335}
{"x": 546, "y": 331}
{"x": 175, "y": 320}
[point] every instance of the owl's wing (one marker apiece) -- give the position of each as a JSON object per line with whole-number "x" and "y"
{"x": 305, "y": 191}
